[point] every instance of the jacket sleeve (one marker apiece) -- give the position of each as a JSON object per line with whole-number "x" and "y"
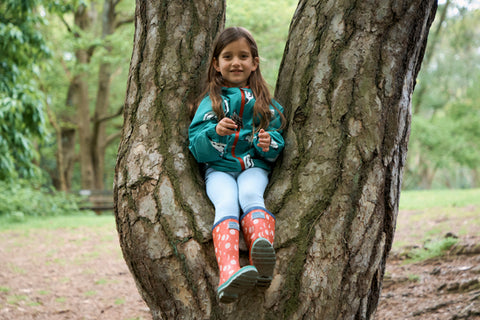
{"x": 277, "y": 143}
{"x": 205, "y": 144}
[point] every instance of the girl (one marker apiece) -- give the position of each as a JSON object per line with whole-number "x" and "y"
{"x": 236, "y": 133}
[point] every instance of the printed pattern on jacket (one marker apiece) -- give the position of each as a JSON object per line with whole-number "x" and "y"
{"x": 237, "y": 151}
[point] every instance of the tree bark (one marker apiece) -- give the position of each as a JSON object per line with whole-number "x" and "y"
{"x": 102, "y": 102}
{"x": 346, "y": 81}
{"x": 83, "y": 19}
{"x": 163, "y": 216}
{"x": 347, "y": 77}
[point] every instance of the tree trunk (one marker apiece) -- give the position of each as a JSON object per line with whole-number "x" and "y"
{"x": 58, "y": 177}
{"x": 83, "y": 20}
{"x": 163, "y": 216}
{"x": 91, "y": 129}
{"x": 434, "y": 39}
{"x": 347, "y": 77}
{"x": 102, "y": 103}
{"x": 346, "y": 81}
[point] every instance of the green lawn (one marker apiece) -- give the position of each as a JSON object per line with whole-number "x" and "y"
{"x": 55, "y": 222}
{"x": 423, "y": 199}
{"x": 429, "y": 205}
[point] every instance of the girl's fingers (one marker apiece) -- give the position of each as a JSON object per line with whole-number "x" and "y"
{"x": 225, "y": 127}
{"x": 264, "y": 141}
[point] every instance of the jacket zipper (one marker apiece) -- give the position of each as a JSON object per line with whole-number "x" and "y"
{"x": 237, "y": 133}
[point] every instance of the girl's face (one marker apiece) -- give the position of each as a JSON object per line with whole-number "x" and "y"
{"x": 236, "y": 63}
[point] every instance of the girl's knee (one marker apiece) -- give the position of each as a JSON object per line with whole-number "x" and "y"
{"x": 249, "y": 199}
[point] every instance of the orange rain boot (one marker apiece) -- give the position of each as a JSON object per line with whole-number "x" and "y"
{"x": 233, "y": 279}
{"x": 258, "y": 226}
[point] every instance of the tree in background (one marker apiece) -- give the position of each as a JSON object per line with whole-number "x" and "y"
{"x": 90, "y": 51}
{"x": 445, "y": 140}
{"x": 22, "y": 120}
{"x": 345, "y": 81}
{"x": 57, "y": 56}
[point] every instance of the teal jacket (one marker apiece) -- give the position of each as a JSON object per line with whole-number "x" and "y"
{"x": 238, "y": 151}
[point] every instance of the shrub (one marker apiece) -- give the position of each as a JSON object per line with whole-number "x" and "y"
{"x": 20, "y": 199}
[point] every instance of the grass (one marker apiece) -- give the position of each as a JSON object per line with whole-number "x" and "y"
{"x": 90, "y": 293}
{"x": 426, "y": 217}
{"x": 55, "y": 222}
{"x": 409, "y": 200}
{"x": 424, "y": 199}
{"x": 432, "y": 249}
{"x": 101, "y": 281}
{"x": 432, "y": 214}
{"x": 15, "y": 299}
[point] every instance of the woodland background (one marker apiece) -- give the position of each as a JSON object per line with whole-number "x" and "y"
{"x": 63, "y": 72}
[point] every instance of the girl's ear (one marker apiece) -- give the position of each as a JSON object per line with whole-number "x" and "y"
{"x": 215, "y": 64}
{"x": 256, "y": 62}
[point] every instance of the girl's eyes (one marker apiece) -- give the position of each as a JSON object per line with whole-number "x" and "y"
{"x": 242, "y": 56}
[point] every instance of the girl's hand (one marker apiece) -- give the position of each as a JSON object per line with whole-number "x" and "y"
{"x": 226, "y": 127}
{"x": 264, "y": 140}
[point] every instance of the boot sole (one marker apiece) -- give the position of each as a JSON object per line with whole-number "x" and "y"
{"x": 241, "y": 281}
{"x": 263, "y": 258}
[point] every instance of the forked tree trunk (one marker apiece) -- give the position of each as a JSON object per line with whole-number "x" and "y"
{"x": 346, "y": 82}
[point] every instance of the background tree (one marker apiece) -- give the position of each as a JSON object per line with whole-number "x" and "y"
{"x": 90, "y": 49}
{"x": 445, "y": 136}
{"x": 346, "y": 81}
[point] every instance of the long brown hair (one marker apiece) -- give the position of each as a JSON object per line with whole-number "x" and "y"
{"x": 256, "y": 82}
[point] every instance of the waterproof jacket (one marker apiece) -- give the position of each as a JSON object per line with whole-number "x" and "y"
{"x": 238, "y": 151}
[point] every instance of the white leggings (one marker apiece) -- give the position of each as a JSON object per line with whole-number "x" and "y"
{"x": 230, "y": 191}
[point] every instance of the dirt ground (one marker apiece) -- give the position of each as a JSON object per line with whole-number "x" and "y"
{"x": 80, "y": 274}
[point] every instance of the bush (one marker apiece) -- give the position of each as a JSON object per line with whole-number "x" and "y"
{"x": 21, "y": 199}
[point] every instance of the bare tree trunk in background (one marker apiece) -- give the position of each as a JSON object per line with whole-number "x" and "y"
{"x": 346, "y": 82}
{"x": 100, "y": 141}
{"x": 102, "y": 103}
{"x": 84, "y": 17}
{"x": 434, "y": 38}
{"x": 91, "y": 129}
{"x": 58, "y": 177}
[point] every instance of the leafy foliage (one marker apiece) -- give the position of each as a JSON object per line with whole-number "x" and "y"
{"x": 65, "y": 38}
{"x": 444, "y": 143}
{"x": 445, "y": 139}
{"x": 21, "y": 103}
{"x": 268, "y": 21}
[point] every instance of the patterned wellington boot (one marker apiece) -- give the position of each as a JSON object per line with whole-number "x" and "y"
{"x": 233, "y": 279}
{"x": 258, "y": 226}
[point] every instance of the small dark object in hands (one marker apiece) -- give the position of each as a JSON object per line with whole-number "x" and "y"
{"x": 237, "y": 120}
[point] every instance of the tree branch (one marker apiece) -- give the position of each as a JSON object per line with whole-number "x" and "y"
{"x": 123, "y": 21}
{"x": 111, "y": 138}
{"x": 112, "y": 116}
